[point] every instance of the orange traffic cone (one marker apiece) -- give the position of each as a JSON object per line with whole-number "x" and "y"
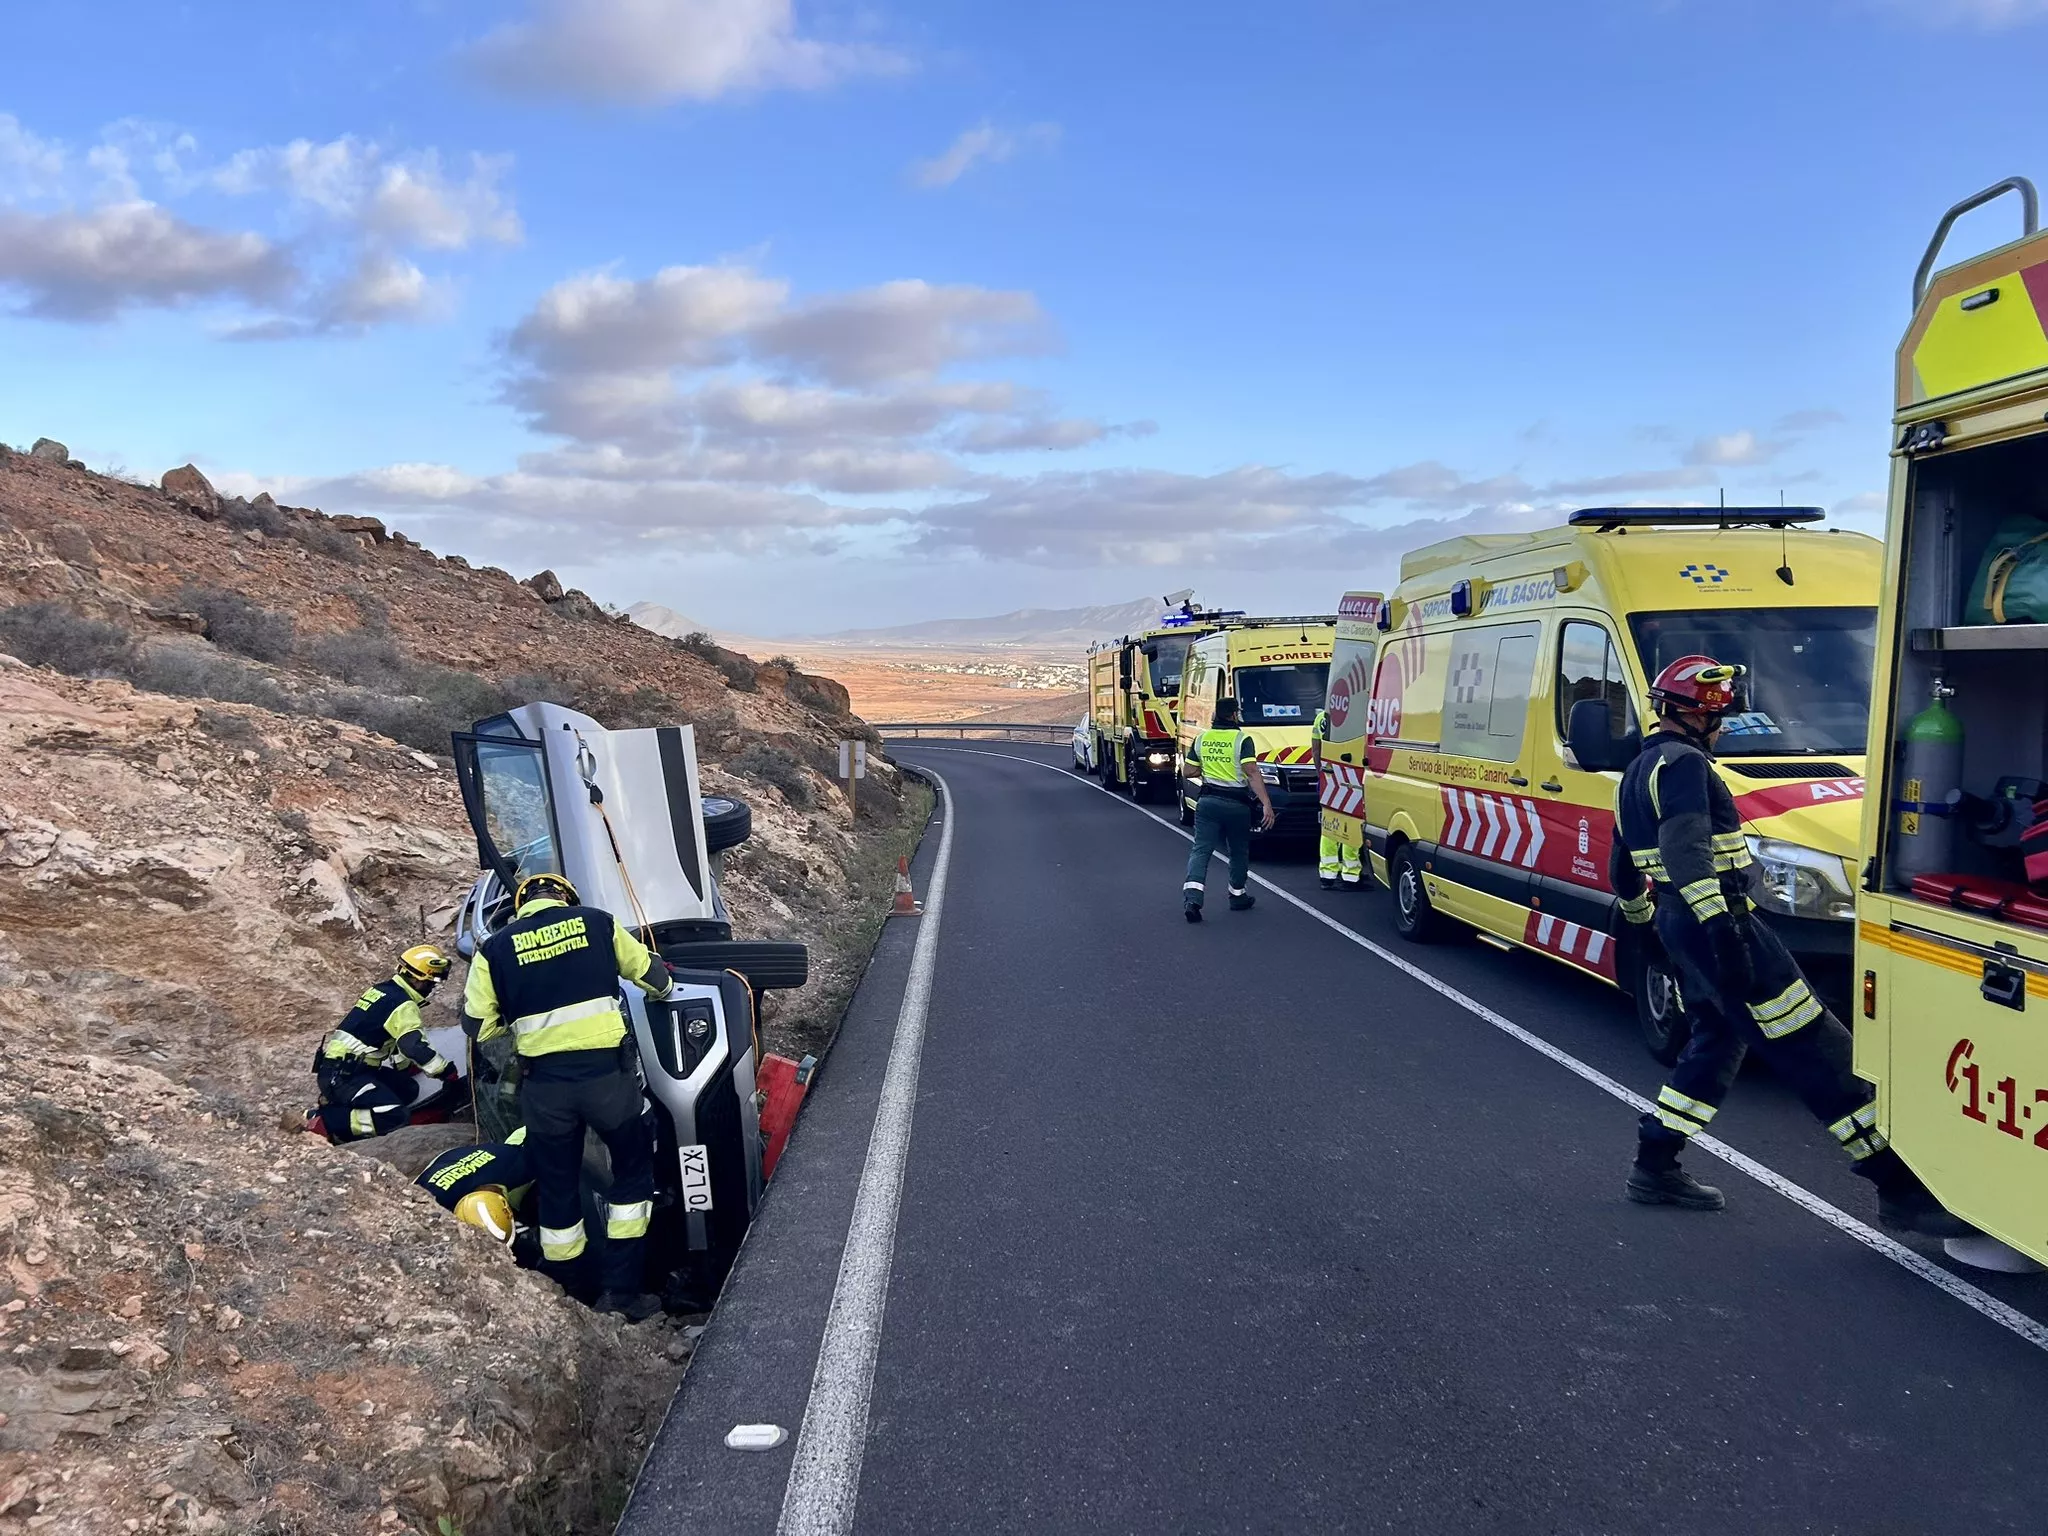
{"x": 906, "y": 903}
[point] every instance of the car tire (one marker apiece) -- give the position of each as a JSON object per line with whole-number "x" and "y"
{"x": 766, "y": 965}
{"x": 1414, "y": 918}
{"x": 1660, "y": 1009}
{"x": 727, "y": 821}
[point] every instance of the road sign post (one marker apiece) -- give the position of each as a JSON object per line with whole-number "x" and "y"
{"x": 853, "y": 767}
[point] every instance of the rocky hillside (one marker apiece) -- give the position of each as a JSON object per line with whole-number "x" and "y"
{"x": 223, "y": 805}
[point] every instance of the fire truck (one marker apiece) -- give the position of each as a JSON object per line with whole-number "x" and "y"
{"x": 1134, "y": 698}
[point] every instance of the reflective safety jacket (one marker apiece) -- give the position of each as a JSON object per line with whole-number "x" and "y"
{"x": 551, "y": 976}
{"x": 384, "y": 1029}
{"x": 461, "y": 1170}
{"x": 1677, "y": 830}
{"x": 1222, "y": 756}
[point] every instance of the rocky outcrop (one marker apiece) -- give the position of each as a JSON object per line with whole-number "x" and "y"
{"x": 190, "y": 489}
{"x": 546, "y": 586}
{"x": 49, "y": 449}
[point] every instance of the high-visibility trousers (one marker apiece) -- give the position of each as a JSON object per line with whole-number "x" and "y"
{"x": 1807, "y": 1047}
{"x": 1337, "y": 860}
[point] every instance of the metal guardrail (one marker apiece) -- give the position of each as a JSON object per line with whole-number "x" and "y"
{"x": 999, "y": 730}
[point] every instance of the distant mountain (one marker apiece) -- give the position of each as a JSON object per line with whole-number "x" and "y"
{"x": 1027, "y": 626}
{"x": 666, "y": 621}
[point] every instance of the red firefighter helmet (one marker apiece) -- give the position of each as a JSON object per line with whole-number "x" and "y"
{"x": 1698, "y": 685}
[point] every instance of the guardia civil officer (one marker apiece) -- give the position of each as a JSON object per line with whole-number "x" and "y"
{"x": 551, "y": 976}
{"x": 1223, "y": 809}
{"x": 1338, "y": 863}
{"x": 364, "y": 1068}
{"x": 1680, "y": 861}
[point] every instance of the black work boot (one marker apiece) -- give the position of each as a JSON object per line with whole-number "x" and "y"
{"x": 1192, "y": 911}
{"x": 1656, "y": 1178}
{"x": 633, "y": 1308}
{"x": 1327, "y": 883}
{"x": 1904, "y": 1204}
{"x": 1240, "y": 901}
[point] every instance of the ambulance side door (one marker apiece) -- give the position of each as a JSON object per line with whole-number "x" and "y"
{"x": 1584, "y": 661}
{"x": 1489, "y": 839}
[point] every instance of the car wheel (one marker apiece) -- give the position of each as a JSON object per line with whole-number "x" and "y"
{"x": 1660, "y": 1009}
{"x": 765, "y": 964}
{"x": 1414, "y": 918}
{"x": 727, "y": 822}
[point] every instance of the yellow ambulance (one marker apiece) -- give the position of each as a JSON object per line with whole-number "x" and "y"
{"x": 1953, "y": 938}
{"x": 1512, "y": 680}
{"x": 1278, "y": 670}
{"x": 1340, "y": 756}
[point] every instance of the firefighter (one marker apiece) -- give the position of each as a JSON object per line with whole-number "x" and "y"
{"x": 487, "y": 1185}
{"x": 1223, "y": 810}
{"x": 1338, "y": 863}
{"x": 1680, "y": 863}
{"x": 551, "y": 977}
{"x": 365, "y": 1066}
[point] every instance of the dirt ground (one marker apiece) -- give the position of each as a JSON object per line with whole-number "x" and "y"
{"x": 935, "y": 684}
{"x": 208, "y": 1324}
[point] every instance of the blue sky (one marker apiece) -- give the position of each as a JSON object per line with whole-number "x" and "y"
{"x": 801, "y": 314}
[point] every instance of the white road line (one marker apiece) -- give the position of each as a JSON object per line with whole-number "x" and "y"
{"x": 2010, "y": 1318}
{"x": 824, "y": 1473}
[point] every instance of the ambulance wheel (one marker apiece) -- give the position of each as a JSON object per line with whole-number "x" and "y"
{"x": 1414, "y": 918}
{"x": 1187, "y": 809}
{"x": 727, "y": 822}
{"x": 1660, "y": 1011}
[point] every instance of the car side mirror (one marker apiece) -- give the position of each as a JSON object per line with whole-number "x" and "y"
{"x": 1592, "y": 739}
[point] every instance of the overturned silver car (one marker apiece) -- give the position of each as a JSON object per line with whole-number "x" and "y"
{"x": 621, "y": 814}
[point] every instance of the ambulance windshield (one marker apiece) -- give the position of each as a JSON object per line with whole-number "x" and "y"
{"x": 1164, "y": 658}
{"x": 1808, "y": 689}
{"x": 1284, "y": 695}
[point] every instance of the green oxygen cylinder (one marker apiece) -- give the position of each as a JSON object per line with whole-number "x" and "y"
{"x": 1929, "y": 790}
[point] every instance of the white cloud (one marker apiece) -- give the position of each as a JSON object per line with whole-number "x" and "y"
{"x": 93, "y": 265}
{"x": 982, "y": 144}
{"x": 664, "y": 50}
{"x": 906, "y": 329}
{"x": 30, "y": 167}
{"x": 719, "y": 369}
{"x": 1253, "y": 517}
{"x": 334, "y": 223}
{"x": 1809, "y": 420}
{"x": 680, "y": 317}
{"x": 1991, "y": 15}
{"x": 403, "y": 200}
{"x": 1731, "y": 450}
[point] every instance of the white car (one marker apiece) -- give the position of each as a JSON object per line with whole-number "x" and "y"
{"x": 1084, "y": 746}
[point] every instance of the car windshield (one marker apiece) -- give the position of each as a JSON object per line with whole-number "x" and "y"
{"x": 1808, "y": 689}
{"x": 1164, "y": 658}
{"x": 1285, "y": 695}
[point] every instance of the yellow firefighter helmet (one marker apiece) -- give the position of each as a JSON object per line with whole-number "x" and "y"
{"x": 424, "y": 962}
{"x": 488, "y": 1210}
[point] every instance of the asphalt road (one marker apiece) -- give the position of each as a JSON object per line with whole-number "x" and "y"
{"x": 1238, "y": 1227}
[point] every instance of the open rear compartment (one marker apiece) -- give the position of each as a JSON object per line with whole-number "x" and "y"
{"x": 1960, "y": 791}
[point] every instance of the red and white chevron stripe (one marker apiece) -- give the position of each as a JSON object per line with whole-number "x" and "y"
{"x": 1492, "y": 826}
{"x": 1587, "y": 947}
{"x": 1343, "y": 789}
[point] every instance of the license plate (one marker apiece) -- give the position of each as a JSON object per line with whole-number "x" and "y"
{"x": 696, "y": 1178}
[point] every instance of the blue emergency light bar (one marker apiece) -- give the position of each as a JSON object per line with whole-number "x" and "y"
{"x": 1605, "y": 518}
